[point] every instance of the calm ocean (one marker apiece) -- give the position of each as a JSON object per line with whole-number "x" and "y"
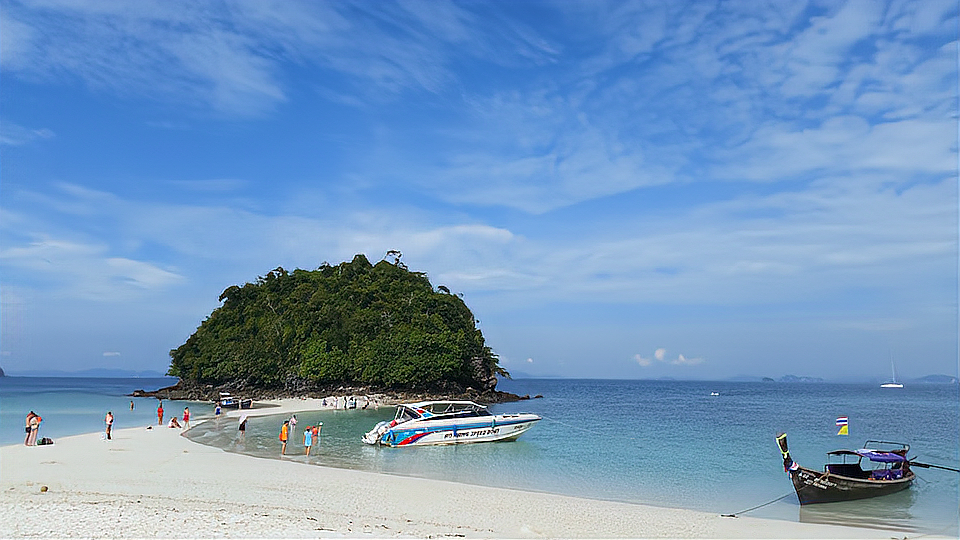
{"x": 667, "y": 443}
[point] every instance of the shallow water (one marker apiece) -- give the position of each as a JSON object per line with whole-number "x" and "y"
{"x": 666, "y": 443}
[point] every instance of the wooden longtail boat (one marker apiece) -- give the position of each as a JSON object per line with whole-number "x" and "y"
{"x": 847, "y": 480}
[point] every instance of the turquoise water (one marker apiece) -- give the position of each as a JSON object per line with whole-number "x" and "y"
{"x": 656, "y": 442}
{"x": 75, "y": 405}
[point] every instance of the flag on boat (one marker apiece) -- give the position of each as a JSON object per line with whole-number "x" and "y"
{"x": 844, "y": 427}
{"x": 842, "y": 421}
{"x": 843, "y": 431}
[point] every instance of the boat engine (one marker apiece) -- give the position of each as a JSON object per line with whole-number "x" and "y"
{"x": 373, "y": 436}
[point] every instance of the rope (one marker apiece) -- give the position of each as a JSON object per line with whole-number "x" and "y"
{"x": 737, "y": 514}
{"x": 595, "y": 432}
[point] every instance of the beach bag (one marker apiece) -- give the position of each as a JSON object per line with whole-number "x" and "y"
{"x": 45, "y": 440}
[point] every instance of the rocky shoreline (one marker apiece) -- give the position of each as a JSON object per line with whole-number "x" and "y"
{"x": 193, "y": 392}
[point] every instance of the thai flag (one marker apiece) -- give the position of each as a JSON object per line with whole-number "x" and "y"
{"x": 842, "y": 421}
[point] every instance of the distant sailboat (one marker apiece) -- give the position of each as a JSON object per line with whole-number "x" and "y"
{"x": 893, "y": 383}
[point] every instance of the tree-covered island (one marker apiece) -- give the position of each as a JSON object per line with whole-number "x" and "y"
{"x": 379, "y": 328}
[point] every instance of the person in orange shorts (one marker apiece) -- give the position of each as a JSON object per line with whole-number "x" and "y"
{"x": 160, "y": 414}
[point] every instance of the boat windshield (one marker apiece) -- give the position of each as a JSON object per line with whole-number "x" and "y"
{"x": 405, "y": 413}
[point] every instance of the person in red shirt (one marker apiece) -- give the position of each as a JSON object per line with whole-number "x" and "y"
{"x": 186, "y": 418}
{"x": 160, "y": 414}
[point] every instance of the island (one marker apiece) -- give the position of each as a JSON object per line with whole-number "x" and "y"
{"x": 355, "y": 326}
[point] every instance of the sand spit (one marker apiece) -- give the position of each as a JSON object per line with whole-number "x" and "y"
{"x": 154, "y": 483}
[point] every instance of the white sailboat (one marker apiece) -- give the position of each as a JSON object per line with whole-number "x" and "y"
{"x": 893, "y": 383}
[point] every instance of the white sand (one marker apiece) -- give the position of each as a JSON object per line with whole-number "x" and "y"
{"x": 155, "y": 483}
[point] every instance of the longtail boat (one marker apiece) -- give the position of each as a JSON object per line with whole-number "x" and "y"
{"x": 844, "y": 477}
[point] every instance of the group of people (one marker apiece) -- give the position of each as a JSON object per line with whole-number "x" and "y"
{"x": 350, "y": 402}
{"x": 174, "y": 422}
{"x": 311, "y": 434}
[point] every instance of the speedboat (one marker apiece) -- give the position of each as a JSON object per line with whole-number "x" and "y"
{"x": 448, "y": 422}
{"x": 844, "y": 477}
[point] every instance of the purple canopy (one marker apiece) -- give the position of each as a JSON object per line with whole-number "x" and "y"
{"x": 881, "y": 457}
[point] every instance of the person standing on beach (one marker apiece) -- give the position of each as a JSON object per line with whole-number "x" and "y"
{"x": 28, "y": 428}
{"x": 108, "y": 420}
{"x": 293, "y": 425}
{"x": 186, "y": 418}
{"x": 284, "y": 434}
{"x": 217, "y": 410}
{"x": 33, "y": 423}
{"x": 131, "y": 405}
{"x": 316, "y": 433}
{"x": 307, "y": 439}
{"x": 160, "y": 413}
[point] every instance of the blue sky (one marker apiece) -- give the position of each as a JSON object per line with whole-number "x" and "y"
{"x": 630, "y": 189}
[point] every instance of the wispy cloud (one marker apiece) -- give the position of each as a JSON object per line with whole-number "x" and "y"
{"x": 233, "y": 59}
{"x": 12, "y": 134}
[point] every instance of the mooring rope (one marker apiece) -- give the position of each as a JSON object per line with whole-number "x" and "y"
{"x": 581, "y": 428}
{"x": 737, "y": 514}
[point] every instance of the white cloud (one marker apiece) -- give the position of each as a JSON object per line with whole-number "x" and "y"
{"x": 234, "y": 59}
{"x": 660, "y": 356}
{"x": 12, "y": 134}
{"x": 644, "y": 362}
{"x": 683, "y": 361}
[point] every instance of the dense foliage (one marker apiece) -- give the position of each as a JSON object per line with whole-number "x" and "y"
{"x": 354, "y": 323}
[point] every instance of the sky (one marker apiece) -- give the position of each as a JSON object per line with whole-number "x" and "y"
{"x": 695, "y": 190}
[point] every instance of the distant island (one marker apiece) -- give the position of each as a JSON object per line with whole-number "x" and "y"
{"x": 95, "y": 373}
{"x": 351, "y": 326}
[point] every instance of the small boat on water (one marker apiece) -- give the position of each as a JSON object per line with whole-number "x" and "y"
{"x": 844, "y": 478}
{"x": 229, "y": 402}
{"x": 893, "y": 382}
{"x": 448, "y": 422}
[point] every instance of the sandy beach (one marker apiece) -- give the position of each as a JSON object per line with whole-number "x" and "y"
{"x": 156, "y": 483}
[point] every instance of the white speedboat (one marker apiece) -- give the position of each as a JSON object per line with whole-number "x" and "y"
{"x": 448, "y": 422}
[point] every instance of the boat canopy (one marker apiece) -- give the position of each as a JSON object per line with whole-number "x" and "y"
{"x": 439, "y": 409}
{"x": 873, "y": 455}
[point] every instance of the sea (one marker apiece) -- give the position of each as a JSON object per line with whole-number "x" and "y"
{"x": 706, "y": 446}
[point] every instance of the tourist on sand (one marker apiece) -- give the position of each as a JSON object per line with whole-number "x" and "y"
{"x": 242, "y": 428}
{"x": 160, "y": 413}
{"x": 174, "y": 423}
{"x": 284, "y": 433}
{"x": 108, "y": 420}
{"x": 186, "y": 418}
{"x": 34, "y": 429}
{"x": 307, "y": 439}
{"x": 28, "y": 427}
